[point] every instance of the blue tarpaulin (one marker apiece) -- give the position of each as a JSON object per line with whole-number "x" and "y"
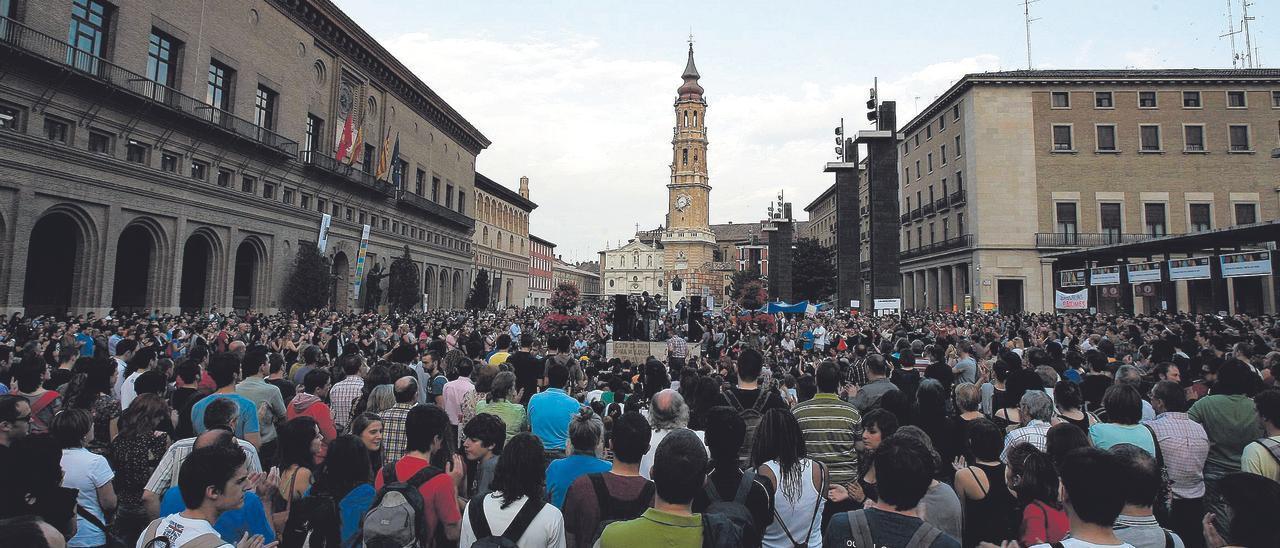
{"x": 790, "y": 308}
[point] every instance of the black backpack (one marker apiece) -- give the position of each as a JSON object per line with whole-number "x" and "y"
{"x": 612, "y": 509}
{"x": 313, "y": 522}
{"x": 735, "y": 510}
{"x": 720, "y": 532}
{"x": 751, "y": 416}
{"x": 508, "y": 539}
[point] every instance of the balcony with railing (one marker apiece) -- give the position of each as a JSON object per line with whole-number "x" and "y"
{"x": 1086, "y": 239}
{"x": 20, "y": 39}
{"x": 906, "y": 218}
{"x": 330, "y": 166}
{"x": 956, "y": 197}
{"x": 959, "y": 242}
{"x": 929, "y": 209}
{"x": 916, "y": 215}
{"x": 941, "y": 204}
{"x": 433, "y": 209}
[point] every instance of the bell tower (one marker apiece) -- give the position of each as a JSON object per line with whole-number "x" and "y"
{"x": 688, "y": 240}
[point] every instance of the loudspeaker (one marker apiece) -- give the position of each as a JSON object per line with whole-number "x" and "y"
{"x": 694, "y": 331}
{"x": 621, "y": 318}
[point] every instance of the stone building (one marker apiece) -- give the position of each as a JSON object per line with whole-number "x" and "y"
{"x": 1005, "y": 168}
{"x": 632, "y": 269}
{"x": 502, "y": 239}
{"x": 179, "y": 153}
{"x": 542, "y": 257}
{"x": 822, "y": 220}
{"x": 586, "y": 279}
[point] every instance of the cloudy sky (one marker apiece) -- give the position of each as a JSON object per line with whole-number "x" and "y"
{"x": 577, "y": 95}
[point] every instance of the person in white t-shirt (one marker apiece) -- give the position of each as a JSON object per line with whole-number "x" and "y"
{"x": 1088, "y": 490}
{"x": 87, "y": 473}
{"x": 212, "y": 481}
{"x": 519, "y": 481}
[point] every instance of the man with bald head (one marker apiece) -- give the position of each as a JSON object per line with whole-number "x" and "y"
{"x": 220, "y": 417}
{"x": 394, "y": 439}
{"x": 667, "y": 412}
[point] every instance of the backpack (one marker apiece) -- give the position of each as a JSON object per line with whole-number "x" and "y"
{"x": 719, "y": 532}
{"x": 45, "y": 400}
{"x": 735, "y": 509}
{"x": 612, "y": 509}
{"x": 397, "y": 517}
{"x": 752, "y": 417}
{"x": 313, "y": 522}
{"x": 508, "y": 539}
{"x": 923, "y": 537}
{"x": 1271, "y": 446}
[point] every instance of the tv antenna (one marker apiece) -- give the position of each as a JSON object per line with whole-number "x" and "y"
{"x": 1026, "y": 15}
{"x": 1249, "y": 57}
{"x": 1249, "y": 52}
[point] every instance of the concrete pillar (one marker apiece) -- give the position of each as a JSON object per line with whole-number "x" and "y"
{"x": 1184, "y": 296}
{"x": 1046, "y": 286}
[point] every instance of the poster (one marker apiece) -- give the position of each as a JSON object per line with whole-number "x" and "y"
{"x": 1144, "y": 272}
{"x": 1195, "y": 268}
{"x": 1071, "y": 301}
{"x": 1252, "y": 263}
{"x": 888, "y": 304}
{"x": 1104, "y": 275}
{"x": 360, "y": 255}
{"x": 322, "y": 240}
{"x": 1072, "y": 278}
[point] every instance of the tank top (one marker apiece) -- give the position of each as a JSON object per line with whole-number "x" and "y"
{"x": 991, "y": 518}
{"x": 799, "y": 514}
{"x": 1082, "y": 423}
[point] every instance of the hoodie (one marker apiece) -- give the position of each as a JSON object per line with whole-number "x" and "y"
{"x": 310, "y": 405}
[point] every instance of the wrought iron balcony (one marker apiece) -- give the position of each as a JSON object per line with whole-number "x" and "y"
{"x": 433, "y": 209}
{"x": 916, "y": 215}
{"x": 330, "y": 166}
{"x": 1086, "y": 239}
{"x": 906, "y": 218}
{"x": 19, "y": 39}
{"x": 957, "y": 197}
{"x": 959, "y": 242}
{"x": 941, "y": 204}
{"x": 929, "y": 210}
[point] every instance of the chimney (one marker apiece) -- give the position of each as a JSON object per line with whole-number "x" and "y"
{"x": 524, "y": 187}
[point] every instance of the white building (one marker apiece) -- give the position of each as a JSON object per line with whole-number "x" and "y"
{"x": 632, "y": 269}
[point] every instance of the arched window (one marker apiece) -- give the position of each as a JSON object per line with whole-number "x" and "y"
{"x": 486, "y": 235}
{"x": 695, "y": 119}
{"x": 686, "y": 118}
{"x": 684, "y": 156}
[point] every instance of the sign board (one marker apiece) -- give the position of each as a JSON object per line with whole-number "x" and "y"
{"x": 888, "y": 304}
{"x": 638, "y": 351}
{"x": 1071, "y": 301}
{"x": 988, "y": 306}
{"x": 1073, "y": 278}
{"x": 1195, "y": 268}
{"x": 855, "y": 303}
{"x": 1252, "y": 263}
{"x": 322, "y": 241}
{"x": 1144, "y": 290}
{"x": 1104, "y": 275}
{"x": 360, "y": 256}
{"x": 1144, "y": 272}
{"x": 968, "y": 303}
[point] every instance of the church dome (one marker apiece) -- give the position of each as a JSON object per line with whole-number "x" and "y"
{"x": 690, "y": 88}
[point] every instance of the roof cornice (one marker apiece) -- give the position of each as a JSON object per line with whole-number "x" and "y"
{"x": 514, "y": 198}
{"x": 340, "y": 33}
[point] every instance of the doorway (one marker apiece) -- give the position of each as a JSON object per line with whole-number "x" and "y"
{"x": 1009, "y": 296}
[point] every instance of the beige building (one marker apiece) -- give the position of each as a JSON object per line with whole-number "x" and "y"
{"x": 179, "y": 153}
{"x": 822, "y": 220}
{"x": 1008, "y": 167}
{"x": 502, "y": 239}
{"x": 632, "y": 269}
{"x": 585, "y": 278}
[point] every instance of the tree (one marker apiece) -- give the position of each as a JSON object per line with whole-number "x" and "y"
{"x": 478, "y": 298}
{"x": 739, "y": 280}
{"x": 403, "y": 293}
{"x": 753, "y": 295}
{"x": 310, "y": 282}
{"x": 565, "y": 297}
{"x": 813, "y": 274}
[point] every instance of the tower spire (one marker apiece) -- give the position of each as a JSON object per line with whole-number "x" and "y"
{"x": 690, "y": 88}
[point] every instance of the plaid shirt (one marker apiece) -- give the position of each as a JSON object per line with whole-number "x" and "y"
{"x": 342, "y": 399}
{"x": 1184, "y": 446}
{"x": 1033, "y": 433}
{"x": 677, "y": 347}
{"x": 394, "y": 439}
{"x": 857, "y": 372}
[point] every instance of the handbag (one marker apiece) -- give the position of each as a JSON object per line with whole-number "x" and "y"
{"x": 112, "y": 540}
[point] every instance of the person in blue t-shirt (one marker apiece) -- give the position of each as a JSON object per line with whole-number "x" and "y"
{"x": 225, "y": 368}
{"x": 232, "y": 525}
{"x": 550, "y": 411}
{"x": 345, "y": 476}
{"x": 586, "y": 434}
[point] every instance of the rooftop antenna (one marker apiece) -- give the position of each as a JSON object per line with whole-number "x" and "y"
{"x": 1249, "y": 52}
{"x": 1026, "y": 15}
{"x": 1231, "y": 34}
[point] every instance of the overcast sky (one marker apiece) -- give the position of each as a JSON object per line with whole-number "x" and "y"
{"x": 577, "y": 95}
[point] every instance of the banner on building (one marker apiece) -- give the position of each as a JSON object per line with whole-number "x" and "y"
{"x": 968, "y": 303}
{"x": 360, "y": 257}
{"x": 1195, "y": 268}
{"x": 1104, "y": 275}
{"x": 322, "y": 241}
{"x": 1144, "y": 272}
{"x": 1071, "y": 301}
{"x": 1252, "y": 263}
{"x": 888, "y": 304}
{"x": 1073, "y": 278}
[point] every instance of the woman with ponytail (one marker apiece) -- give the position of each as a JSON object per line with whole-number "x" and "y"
{"x": 583, "y": 450}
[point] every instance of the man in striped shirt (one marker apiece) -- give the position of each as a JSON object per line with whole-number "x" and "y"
{"x": 831, "y": 427}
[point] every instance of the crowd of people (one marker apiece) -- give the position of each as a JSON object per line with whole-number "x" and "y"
{"x": 455, "y": 428}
